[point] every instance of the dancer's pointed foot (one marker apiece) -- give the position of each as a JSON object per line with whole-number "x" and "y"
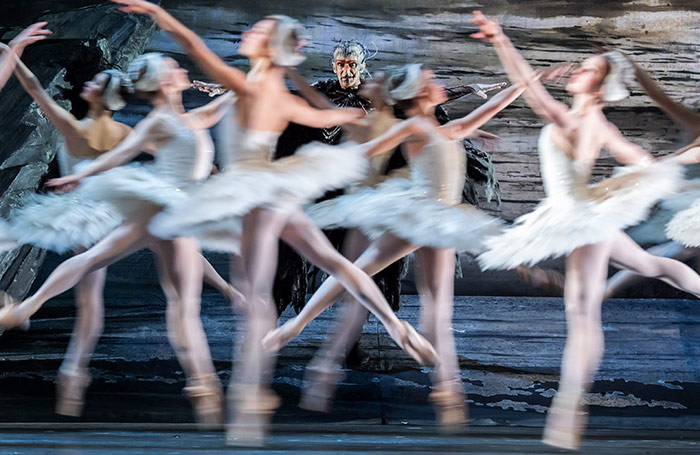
{"x": 566, "y": 420}
{"x": 546, "y": 279}
{"x": 206, "y": 395}
{"x": 281, "y": 336}
{"x": 235, "y": 297}
{"x": 321, "y": 383}
{"x": 415, "y": 345}
{"x": 253, "y": 406}
{"x": 450, "y": 409}
{"x": 10, "y": 317}
{"x": 70, "y": 392}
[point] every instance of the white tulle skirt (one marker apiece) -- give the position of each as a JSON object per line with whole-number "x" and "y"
{"x": 684, "y": 227}
{"x": 399, "y": 206}
{"x": 136, "y": 189}
{"x": 60, "y": 223}
{"x": 217, "y": 205}
{"x": 562, "y": 223}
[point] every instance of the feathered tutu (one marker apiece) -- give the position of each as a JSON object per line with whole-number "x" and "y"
{"x": 279, "y": 185}
{"x": 401, "y": 207}
{"x": 563, "y": 222}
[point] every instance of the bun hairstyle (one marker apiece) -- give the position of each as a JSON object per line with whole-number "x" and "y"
{"x": 620, "y": 75}
{"x": 145, "y": 74}
{"x": 286, "y": 40}
{"x": 116, "y": 87}
{"x": 402, "y": 85}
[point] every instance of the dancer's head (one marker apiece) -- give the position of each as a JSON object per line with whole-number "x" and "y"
{"x": 278, "y": 39}
{"x": 349, "y": 63}
{"x": 106, "y": 89}
{"x": 152, "y": 75}
{"x": 413, "y": 87}
{"x": 605, "y": 76}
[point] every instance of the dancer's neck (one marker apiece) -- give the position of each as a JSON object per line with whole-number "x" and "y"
{"x": 170, "y": 100}
{"x": 97, "y": 111}
{"x": 585, "y": 103}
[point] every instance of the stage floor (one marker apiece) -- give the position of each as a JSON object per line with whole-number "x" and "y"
{"x": 176, "y": 439}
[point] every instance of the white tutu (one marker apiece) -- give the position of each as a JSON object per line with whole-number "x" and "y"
{"x": 134, "y": 189}
{"x": 684, "y": 227}
{"x": 562, "y": 223}
{"x": 281, "y": 185}
{"x": 401, "y": 207}
{"x": 60, "y": 223}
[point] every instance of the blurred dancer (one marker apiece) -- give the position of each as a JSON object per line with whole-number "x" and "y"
{"x": 268, "y": 195}
{"x": 580, "y": 221}
{"x": 183, "y": 156}
{"x": 32, "y": 34}
{"x": 419, "y": 213}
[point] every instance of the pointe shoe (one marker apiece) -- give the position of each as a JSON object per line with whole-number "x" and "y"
{"x": 253, "y": 406}
{"x": 417, "y": 346}
{"x": 566, "y": 420}
{"x": 206, "y": 396}
{"x": 7, "y": 319}
{"x": 70, "y": 392}
{"x": 278, "y": 338}
{"x": 321, "y": 383}
{"x": 450, "y": 409}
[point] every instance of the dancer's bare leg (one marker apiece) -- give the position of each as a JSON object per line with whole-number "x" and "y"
{"x": 182, "y": 266}
{"x": 586, "y": 271}
{"x": 73, "y": 377}
{"x": 124, "y": 240}
{"x": 660, "y": 261}
{"x": 324, "y": 371}
{"x": 436, "y": 270}
{"x": 251, "y": 401}
{"x": 212, "y": 278}
{"x": 309, "y": 241}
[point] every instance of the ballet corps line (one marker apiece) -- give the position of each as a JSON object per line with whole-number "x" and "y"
{"x": 107, "y": 209}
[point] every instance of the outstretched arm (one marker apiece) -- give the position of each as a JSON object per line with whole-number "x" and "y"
{"x": 29, "y": 35}
{"x": 687, "y": 118}
{"x": 148, "y": 131}
{"x": 310, "y": 94}
{"x": 520, "y": 72}
{"x": 232, "y": 78}
{"x": 462, "y": 128}
{"x": 209, "y": 115}
{"x": 622, "y": 149}
{"x": 413, "y": 128}
{"x": 299, "y": 111}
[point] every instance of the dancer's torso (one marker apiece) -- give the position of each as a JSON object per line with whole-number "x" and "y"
{"x": 562, "y": 176}
{"x": 439, "y": 169}
{"x": 99, "y": 136}
{"x": 250, "y": 146}
{"x": 187, "y": 154}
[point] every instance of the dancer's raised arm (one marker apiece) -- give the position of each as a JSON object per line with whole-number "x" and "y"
{"x": 32, "y": 34}
{"x": 232, "y": 78}
{"x": 464, "y": 127}
{"x": 520, "y": 72}
{"x": 622, "y": 149}
{"x": 146, "y": 133}
{"x": 209, "y": 115}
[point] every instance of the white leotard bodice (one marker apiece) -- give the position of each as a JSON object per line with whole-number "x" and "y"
{"x": 187, "y": 156}
{"x": 67, "y": 162}
{"x": 562, "y": 177}
{"x": 440, "y": 169}
{"x": 248, "y": 146}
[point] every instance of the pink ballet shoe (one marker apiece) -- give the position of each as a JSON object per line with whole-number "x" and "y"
{"x": 417, "y": 346}
{"x": 322, "y": 382}
{"x": 566, "y": 420}
{"x": 8, "y": 319}
{"x": 206, "y": 395}
{"x": 450, "y": 409}
{"x": 278, "y": 338}
{"x": 70, "y": 392}
{"x": 253, "y": 406}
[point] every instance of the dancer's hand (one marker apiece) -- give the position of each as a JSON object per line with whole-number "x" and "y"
{"x": 489, "y": 29}
{"x": 30, "y": 35}
{"x": 556, "y": 73}
{"x": 137, "y": 6}
{"x": 64, "y": 184}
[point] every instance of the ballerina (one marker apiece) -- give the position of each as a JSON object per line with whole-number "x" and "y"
{"x": 580, "y": 221}
{"x": 183, "y": 156}
{"x": 419, "y": 213}
{"x": 268, "y": 196}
